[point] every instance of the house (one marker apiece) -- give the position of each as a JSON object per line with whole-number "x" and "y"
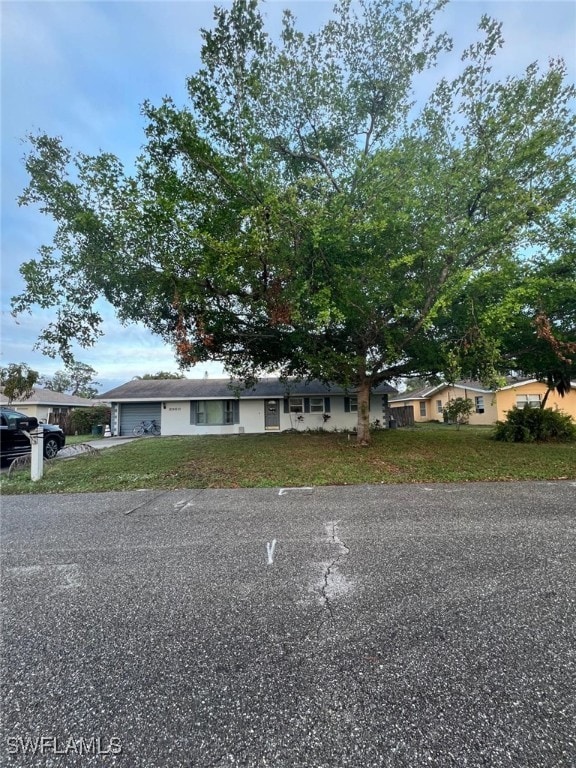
{"x": 47, "y": 405}
{"x": 489, "y": 405}
{"x": 217, "y": 407}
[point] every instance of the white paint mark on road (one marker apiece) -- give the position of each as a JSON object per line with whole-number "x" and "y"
{"x": 25, "y": 570}
{"x": 283, "y": 491}
{"x": 270, "y": 549}
{"x": 66, "y": 576}
{"x": 180, "y": 506}
{"x": 71, "y": 576}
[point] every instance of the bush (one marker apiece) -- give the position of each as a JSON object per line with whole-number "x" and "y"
{"x": 529, "y": 425}
{"x": 458, "y": 410}
{"x": 83, "y": 419}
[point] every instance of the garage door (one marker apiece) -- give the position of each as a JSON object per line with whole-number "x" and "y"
{"x": 131, "y": 414}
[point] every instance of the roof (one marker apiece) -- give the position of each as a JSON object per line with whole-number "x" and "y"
{"x": 217, "y": 389}
{"x": 426, "y": 392}
{"x": 41, "y": 396}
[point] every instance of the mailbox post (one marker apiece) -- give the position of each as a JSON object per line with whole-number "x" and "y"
{"x": 37, "y": 456}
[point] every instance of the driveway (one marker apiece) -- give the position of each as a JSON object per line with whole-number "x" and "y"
{"x": 99, "y": 444}
{"x": 425, "y": 625}
{"x": 70, "y": 451}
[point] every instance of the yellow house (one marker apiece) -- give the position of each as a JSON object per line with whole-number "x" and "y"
{"x": 428, "y": 404}
{"x": 531, "y": 393}
{"x": 489, "y": 406}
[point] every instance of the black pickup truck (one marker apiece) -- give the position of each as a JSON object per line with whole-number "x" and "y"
{"x": 13, "y": 441}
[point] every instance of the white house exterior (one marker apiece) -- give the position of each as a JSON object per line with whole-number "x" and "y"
{"x": 216, "y": 407}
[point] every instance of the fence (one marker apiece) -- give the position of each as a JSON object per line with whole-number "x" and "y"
{"x": 63, "y": 420}
{"x": 403, "y": 415}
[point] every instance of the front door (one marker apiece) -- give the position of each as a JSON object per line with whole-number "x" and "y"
{"x": 272, "y": 414}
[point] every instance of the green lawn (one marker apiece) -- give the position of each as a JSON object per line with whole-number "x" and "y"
{"x": 421, "y": 454}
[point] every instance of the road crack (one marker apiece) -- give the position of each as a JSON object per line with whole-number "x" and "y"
{"x": 329, "y": 587}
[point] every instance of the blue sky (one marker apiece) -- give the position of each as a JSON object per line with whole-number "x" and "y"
{"x": 80, "y": 70}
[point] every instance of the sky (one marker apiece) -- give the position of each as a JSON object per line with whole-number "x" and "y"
{"x": 81, "y": 70}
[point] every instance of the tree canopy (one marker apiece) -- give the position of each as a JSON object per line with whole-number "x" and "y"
{"x": 161, "y": 375}
{"x": 17, "y": 381}
{"x": 77, "y": 379}
{"x": 302, "y": 214}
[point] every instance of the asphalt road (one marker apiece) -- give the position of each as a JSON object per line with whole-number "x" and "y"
{"x": 369, "y": 626}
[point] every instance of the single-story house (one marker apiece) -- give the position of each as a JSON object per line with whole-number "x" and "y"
{"x": 44, "y": 403}
{"x": 489, "y": 405}
{"x": 217, "y": 407}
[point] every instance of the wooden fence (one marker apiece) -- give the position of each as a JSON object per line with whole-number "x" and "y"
{"x": 63, "y": 420}
{"x": 403, "y": 415}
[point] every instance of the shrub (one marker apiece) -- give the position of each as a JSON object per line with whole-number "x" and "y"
{"x": 458, "y": 410}
{"x": 528, "y": 425}
{"x": 83, "y": 419}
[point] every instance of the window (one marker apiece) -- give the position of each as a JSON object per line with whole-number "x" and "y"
{"x": 439, "y": 406}
{"x": 479, "y": 403}
{"x": 422, "y": 409}
{"x": 214, "y": 412}
{"x": 354, "y": 404}
{"x": 528, "y": 401}
{"x": 316, "y": 405}
{"x": 296, "y": 405}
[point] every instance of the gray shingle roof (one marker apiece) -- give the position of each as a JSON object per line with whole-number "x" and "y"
{"x": 199, "y": 389}
{"x": 42, "y": 396}
{"x": 425, "y": 392}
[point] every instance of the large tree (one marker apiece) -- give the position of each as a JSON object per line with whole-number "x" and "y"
{"x": 17, "y": 381}
{"x": 77, "y": 379}
{"x": 301, "y": 214}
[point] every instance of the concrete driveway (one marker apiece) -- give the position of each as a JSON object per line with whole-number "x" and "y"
{"x": 368, "y": 626}
{"x": 70, "y": 451}
{"x": 99, "y": 444}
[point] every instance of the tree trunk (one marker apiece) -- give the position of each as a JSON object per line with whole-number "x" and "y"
{"x": 363, "y": 424}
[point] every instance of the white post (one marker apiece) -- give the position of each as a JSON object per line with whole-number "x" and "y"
{"x": 37, "y": 457}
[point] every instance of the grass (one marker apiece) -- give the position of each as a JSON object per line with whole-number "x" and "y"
{"x": 421, "y": 454}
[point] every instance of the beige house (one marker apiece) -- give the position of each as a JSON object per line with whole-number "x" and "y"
{"x": 531, "y": 393}
{"x": 44, "y": 403}
{"x": 489, "y": 406}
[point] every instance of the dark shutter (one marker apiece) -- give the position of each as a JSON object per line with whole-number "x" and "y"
{"x": 286, "y": 405}
{"x": 384, "y": 402}
{"x": 236, "y": 410}
{"x": 346, "y": 405}
{"x": 193, "y": 411}
{"x": 306, "y": 405}
{"x": 327, "y": 405}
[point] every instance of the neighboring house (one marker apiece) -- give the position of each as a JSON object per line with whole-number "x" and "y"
{"x": 530, "y": 393}
{"x": 44, "y": 403}
{"x": 489, "y": 405}
{"x": 215, "y": 407}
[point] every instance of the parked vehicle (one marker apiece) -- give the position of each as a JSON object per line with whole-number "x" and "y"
{"x": 13, "y": 441}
